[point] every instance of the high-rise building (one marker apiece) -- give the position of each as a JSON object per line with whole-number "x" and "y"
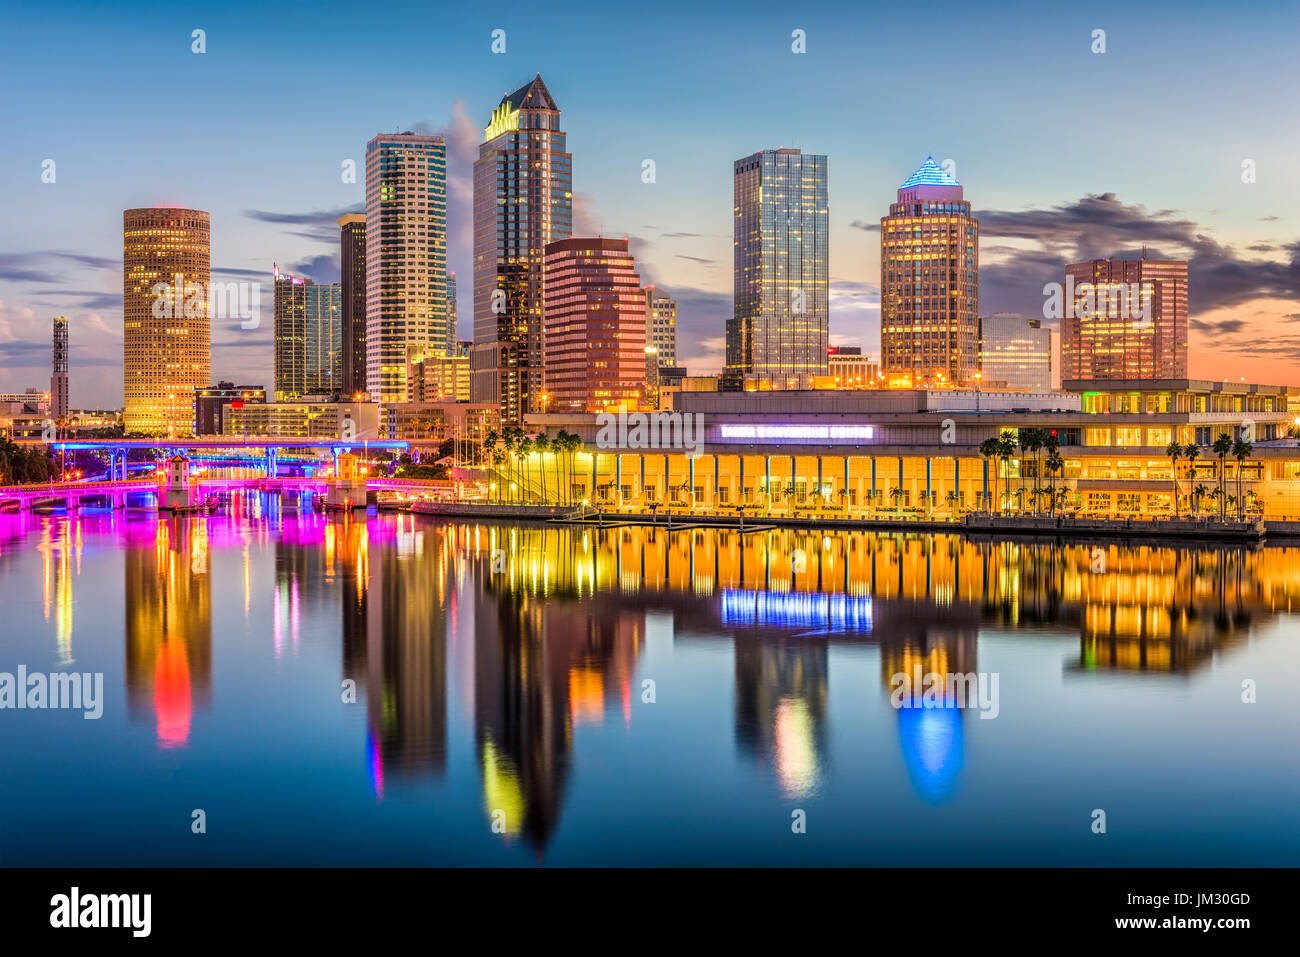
{"x": 406, "y": 256}
{"x": 59, "y": 375}
{"x": 780, "y": 323}
{"x": 929, "y": 268}
{"x": 595, "y": 327}
{"x": 308, "y": 337}
{"x": 352, "y": 256}
{"x": 1125, "y": 319}
{"x": 452, "y": 336}
{"x": 1015, "y": 353}
{"x": 661, "y": 326}
{"x": 523, "y": 200}
{"x": 434, "y": 377}
{"x": 166, "y": 321}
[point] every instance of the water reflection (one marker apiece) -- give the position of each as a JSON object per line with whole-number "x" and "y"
{"x": 540, "y": 632}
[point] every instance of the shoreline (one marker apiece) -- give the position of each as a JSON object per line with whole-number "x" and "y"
{"x": 1062, "y": 527}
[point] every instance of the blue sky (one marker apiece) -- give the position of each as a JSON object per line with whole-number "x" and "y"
{"x": 1063, "y": 152}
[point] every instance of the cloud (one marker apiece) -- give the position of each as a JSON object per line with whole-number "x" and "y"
{"x": 698, "y": 259}
{"x": 322, "y": 224}
{"x": 1101, "y": 226}
{"x": 865, "y": 226}
{"x": 35, "y": 266}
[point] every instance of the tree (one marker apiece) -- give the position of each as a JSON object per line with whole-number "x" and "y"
{"x": 951, "y": 499}
{"x": 991, "y": 449}
{"x": 1241, "y": 450}
{"x": 1198, "y": 497}
{"x": 543, "y": 445}
{"x": 1175, "y": 452}
{"x": 1055, "y": 464}
{"x": 1222, "y": 448}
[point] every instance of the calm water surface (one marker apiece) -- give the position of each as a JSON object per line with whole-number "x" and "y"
{"x": 638, "y": 696}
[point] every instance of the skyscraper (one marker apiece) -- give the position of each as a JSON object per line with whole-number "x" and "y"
{"x": 166, "y": 322}
{"x": 661, "y": 326}
{"x": 352, "y": 234}
{"x": 595, "y": 327}
{"x": 1125, "y": 319}
{"x": 929, "y": 289}
{"x": 523, "y": 200}
{"x": 780, "y": 324}
{"x": 1015, "y": 352}
{"x": 406, "y": 256}
{"x": 453, "y": 339}
{"x": 308, "y": 337}
{"x": 59, "y": 376}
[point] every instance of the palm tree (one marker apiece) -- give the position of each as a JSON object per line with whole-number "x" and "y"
{"x": 951, "y": 499}
{"x": 1241, "y": 450}
{"x": 1222, "y": 448}
{"x": 896, "y": 493}
{"x": 1175, "y": 452}
{"x": 1055, "y": 464}
{"x": 1006, "y": 450}
{"x": 1199, "y": 494}
{"x": 991, "y": 449}
{"x": 543, "y": 445}
{"x": 524, "y": 450}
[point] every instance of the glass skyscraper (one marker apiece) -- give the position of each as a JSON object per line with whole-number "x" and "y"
{"x": 406, "y": 256}
{"x": 523, "y": 200}
{"x": 779, "y": 330}
{"x": 929, "y": 283}
{"x": 308, "y": 338}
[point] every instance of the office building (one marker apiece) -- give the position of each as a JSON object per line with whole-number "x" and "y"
{"x": 523, "y": 200}
{"x": 595, "y": 333}
{"x": 1015, "y": 353}
{"x": 406, "y": 256}
{"x": 1125, "y": 319}
{"x": 929, "y": 298}
{"x": 166, "y": 319}
{"x": 210, "y": 403}
{"x": 352, "y": 257}
{"x": 308, "y": 337}
{"x": 661, "y": 326}
{"x": 780, "y": 323}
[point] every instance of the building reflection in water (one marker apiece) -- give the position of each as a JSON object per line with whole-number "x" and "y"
{"x": 168, "y": 625}
{"x": 558, "y": 616}
{"x": 550, "y": 655}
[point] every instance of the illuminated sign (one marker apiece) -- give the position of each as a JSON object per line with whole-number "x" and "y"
{"x": 504, "y": 120}
{"x": 797, "y": 433}
{"x": 838, "y": 612}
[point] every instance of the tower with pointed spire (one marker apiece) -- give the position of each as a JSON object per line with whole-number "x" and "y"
{"x": 523, "y": 200}
{"x": 929, "y": 283}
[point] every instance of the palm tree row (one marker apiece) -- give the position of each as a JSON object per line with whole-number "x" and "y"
{"x": 511, "y": 448}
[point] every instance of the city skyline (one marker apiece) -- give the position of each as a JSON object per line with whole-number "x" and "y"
{"x": 1040, "y": 207}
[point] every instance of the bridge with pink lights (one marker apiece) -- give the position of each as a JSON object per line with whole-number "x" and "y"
{"x": 230, "y": 449}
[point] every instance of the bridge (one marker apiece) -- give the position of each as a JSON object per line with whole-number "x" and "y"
{"x": 226, "y": 449}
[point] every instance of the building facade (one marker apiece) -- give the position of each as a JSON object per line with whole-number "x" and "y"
{"x": 1015, "y": 353}
{"x": 929, "y": 288}
{"x": 406, "y": 256}
{"x": 661, "y": 326}
{"x": 210, "y": 404}
{"x": 166, "y": 320}
{"x": 434, "y": 377}
{"x": 352, "y": 259}
{"x": 523, "y": 200}
{"x": 917, "y": 452}
{"x": 780, "y": 323}
{"x": 1125, "y": 319}
{"x": 311, "y": 418}
{"x": 308, "y": 338}
{"x": 595, "y": 335}
{"x": 851, "y": 369}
